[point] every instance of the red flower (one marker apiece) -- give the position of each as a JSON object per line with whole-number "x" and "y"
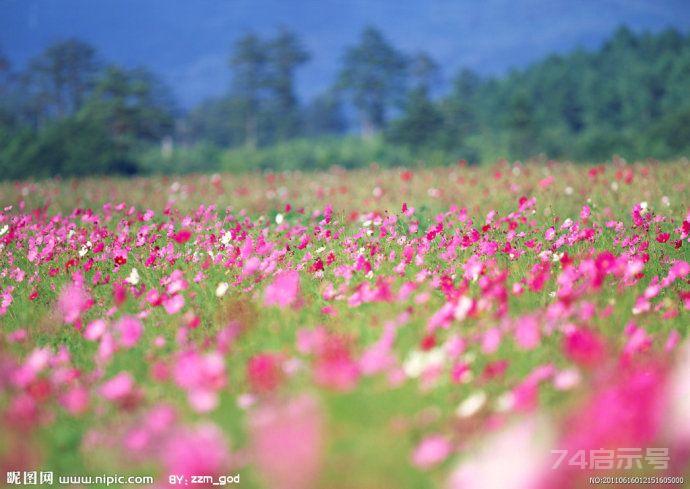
{"x": 428, "y": 342}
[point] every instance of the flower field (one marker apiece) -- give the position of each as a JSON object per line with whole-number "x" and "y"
{"x": 505, "y": 326}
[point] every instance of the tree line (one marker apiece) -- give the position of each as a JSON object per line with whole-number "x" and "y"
{"x": 68, "y": 112}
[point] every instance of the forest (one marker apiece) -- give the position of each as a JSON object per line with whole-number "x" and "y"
{"x": 69, "y": 112}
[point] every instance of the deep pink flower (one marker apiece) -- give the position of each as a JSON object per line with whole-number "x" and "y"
{"x": 584, "y": 347}
{"x": 264, "y": 372}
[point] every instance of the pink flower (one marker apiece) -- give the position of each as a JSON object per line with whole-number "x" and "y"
{"x": 626, "y": 409}
{"x": 503, "y": 462}
{"x": 76, "y": 400}
{"x": 73, "y": 302}
{"x": 95, "y": 329}
{"x": 585, "y": 212}
{"x": 202, "y": 376}
{"x": 287, "y": 442}
{"x": 250, "y": 266}
{"x": 431, "y": 451}
{"x": 173, "y": 304}
{"x": 527, "y": 333}
{"x": 639, "y": 341}
{"x": 118, "y": 388}
{"x": 284, "y": 291}
{"x": 199, "y": 451}
{"x": 335, "y": 367}
{"x": 491, "y": 340}
{"x": 130, "y": 330}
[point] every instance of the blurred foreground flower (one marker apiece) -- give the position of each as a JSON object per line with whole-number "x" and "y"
{"x": 287, "y": 442}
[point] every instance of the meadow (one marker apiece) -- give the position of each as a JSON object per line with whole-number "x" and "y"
{"x": 373, "y": 328}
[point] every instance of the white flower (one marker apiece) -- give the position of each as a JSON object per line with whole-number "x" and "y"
{"x": 4, "y": 229}
{"x": 472, "y": 405}
{"x": 227, "y": 237}
{"x": 666, "y": 201}
{"x": 644, "y": 207}
{"x": 463, "y": 307}
{"x": 221, "y": 289}
{"x": 569, "y": 191}
{"x": 614, "y": 186}
{"x": 83, "y": 251}
{"x": 419, "y": 361}
{"x": 505, "y": 402}
{"x": 279, "y": 218}
{"x": 133, "y": 277}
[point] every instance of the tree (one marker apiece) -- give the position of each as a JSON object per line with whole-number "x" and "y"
{"x": 6, "y": 115}
{"x": 420, "y": 123}
{"x": 425, "y": 72}
{"x": 324, "y": 115}
{"x": 131, "y": 104}
{"x": 65, "y": 147}
{"x": 63, "y": 75}
{"x": 249, "y": 62}
{"x": 521, "y": 126}
{"x": 421, "y": 120}
{"x": 373, "y": 74}
{"x": 285, "y": 55}
{"x": 217, "y": 120}
{"x": 460, "y": 110}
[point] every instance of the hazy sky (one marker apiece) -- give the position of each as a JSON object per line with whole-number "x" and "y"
{"x": 187, "y": 42}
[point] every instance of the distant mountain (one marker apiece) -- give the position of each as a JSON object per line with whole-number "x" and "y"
{"x": 187, "y": 43}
